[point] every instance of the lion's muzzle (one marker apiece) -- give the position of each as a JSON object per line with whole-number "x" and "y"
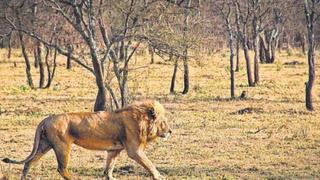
{"x": 166, "y": 135}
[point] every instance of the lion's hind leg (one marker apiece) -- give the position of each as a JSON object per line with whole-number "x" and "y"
{"x": 111, "y": 161}
{"x": 62, "y": 151}
{"x": 43, "y": 148}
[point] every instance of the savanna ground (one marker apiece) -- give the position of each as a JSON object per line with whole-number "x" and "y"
{"x": 214, "y": 137}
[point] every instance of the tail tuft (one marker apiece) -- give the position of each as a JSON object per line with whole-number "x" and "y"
{"x": 7, "y": 160}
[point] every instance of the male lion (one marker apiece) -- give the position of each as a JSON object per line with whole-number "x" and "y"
{"x": 130, "y": 128}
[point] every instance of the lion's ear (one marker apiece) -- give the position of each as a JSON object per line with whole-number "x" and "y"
{"x": 152, "y": 114}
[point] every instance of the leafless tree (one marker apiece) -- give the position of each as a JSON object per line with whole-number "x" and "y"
{"x": 242, "y": 20}
{"x": 185, "y": 52}
{"x": 225, "y": 9}
{"x": 258, "y": 16}
{"x": 271, "y": 32}
{"x": 174, "y": 75}
{"x": 70, "y": 48}
{"x": 110, "y": 32}
{"x": 312, "y": 16}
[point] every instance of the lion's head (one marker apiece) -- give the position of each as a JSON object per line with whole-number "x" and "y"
{"x": 158, "y": 125}
{"x": 163, "y": 129}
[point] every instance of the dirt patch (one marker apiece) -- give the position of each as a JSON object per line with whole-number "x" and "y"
{"x": 293, "y": 63}
{"x": 248, "y": 110}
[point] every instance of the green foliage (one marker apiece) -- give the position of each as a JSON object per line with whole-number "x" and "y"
{"x": 24, "y": 88}
{"x": 20, "y": 89}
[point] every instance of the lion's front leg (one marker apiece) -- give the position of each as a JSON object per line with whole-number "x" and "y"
{"x": 111, "y": 161}
{"x": 140, "y": 157}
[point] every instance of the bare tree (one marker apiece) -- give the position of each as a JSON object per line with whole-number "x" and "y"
{"x": 69, "y": 49}
{"x": 50, "y": 72}
{"x": 256, "y": 28}
{"x": 242, "y": 20}
{"x": 174, "y": 75}
{"x": 311, "y": 12}
{"x": 237, "y": 54}
{"x": 109, "y": 32}
{"x": 225, "y": 9}
{"x": 271, "y": 33}
{"x": 185, "y": 52}
{"x": 26, "y": 59}
{"x": 41, "y": 65}
{"x": 23, "y": 49}
{"x": 151, "y": 52}
{"x": 9, "y": 45}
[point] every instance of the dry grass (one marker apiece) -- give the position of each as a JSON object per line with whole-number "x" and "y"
{"x": 274, "y": 137}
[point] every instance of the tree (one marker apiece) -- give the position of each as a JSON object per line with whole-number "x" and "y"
{"x": 311, "y": 13}
{"x": 178, "y": 32}
{"x": 69, "y": 49}
{"x": 256, "y": 29}
{"x": 271, "y": 32}
{"x": 109, "y": 33}
{"x": 237, "y": 54}
{"x": 242, "y": 20}
{"x": 185, "y": 52}
{"x": 174, "y": 75}
{"x": 19, "y": 15}
{"x": 225, "y": 9}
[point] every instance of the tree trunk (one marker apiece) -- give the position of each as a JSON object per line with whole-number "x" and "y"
{"x": 122, "y": 51}
{"x": 68, "y": 62}
{"x": 256, "y": 62}
{"x": 237, "y": 54}
{"x": 26, "y": 59}
{"x": 2, "y": 43}
{"x": 272, "y": 41}
{"x": 262, "y": 50}
{"x": 280, "y": 44}
{"x": 36, "y": 60}
{"x": 123, "y": 83}
{"x": 9, "y": 46}
{"x": 185, "y": 52}
{"x": 310, "y": 18}
{"x": 173, "y": 79}
{"x": 303, "y": 44}
{"x": 124, "y": 94}
{"x": 50, "y": 74}
{"x": 101, "y": 100}
{"x": 113, "y": 96}
{"x": 185, "y": 74}
{"x": 247, "y": 58}
{"x": 309, "y": 84}
{"x": 70, "y": 49}
{"x": 48, "y": 67}
{"x": 231, "y": 47}
{"x": 151, "y": 52}
{"x": 100, "y": 104}
{"x": 242, "y": 35}
{"x": 273, "y": 51}
{"x": 41, "y": 68}
{"x": 256, "y": 48}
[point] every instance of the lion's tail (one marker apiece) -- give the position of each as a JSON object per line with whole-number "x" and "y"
{"x": 35, "y": 147}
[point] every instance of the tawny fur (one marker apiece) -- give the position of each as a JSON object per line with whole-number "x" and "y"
{"x": 130, "y": 128}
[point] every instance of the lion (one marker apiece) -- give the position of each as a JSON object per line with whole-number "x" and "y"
{"x": 129, "y": 128}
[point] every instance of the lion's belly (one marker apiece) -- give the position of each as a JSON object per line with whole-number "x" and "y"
{"x": 102, "y": 145}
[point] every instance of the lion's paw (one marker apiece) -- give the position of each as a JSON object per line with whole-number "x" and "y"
{"x": 110, "y": 178}
{"x": 159, "y": 178}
